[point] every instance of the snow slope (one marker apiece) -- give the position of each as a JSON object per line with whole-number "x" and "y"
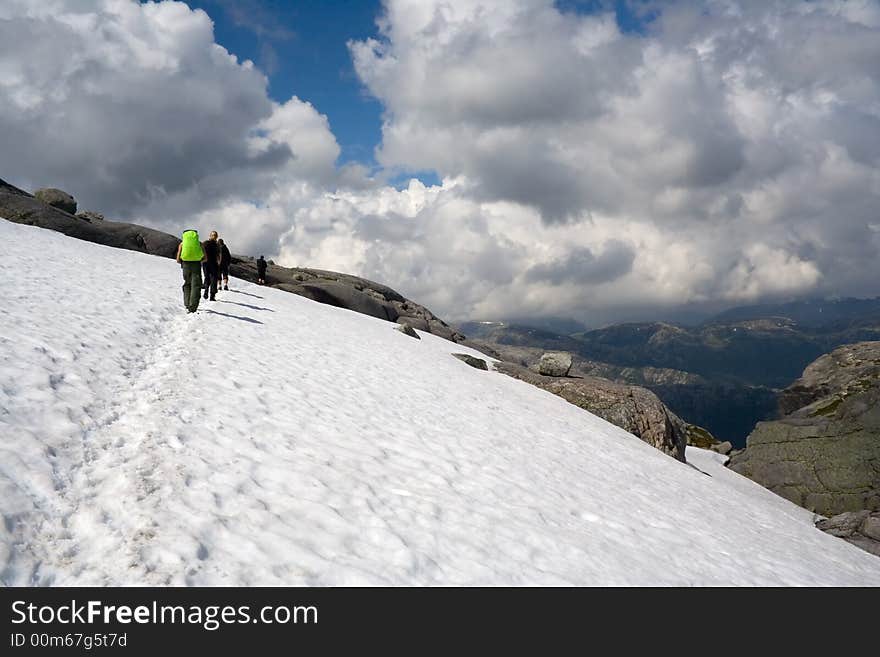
{"x": 272, "y": 440}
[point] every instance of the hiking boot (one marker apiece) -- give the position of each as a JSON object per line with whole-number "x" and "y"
{"x": 226, "y": 287}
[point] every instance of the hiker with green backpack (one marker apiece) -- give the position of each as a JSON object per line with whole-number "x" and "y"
{"x": 190, "y": 256}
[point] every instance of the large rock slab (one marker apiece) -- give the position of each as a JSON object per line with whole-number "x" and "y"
{"x": 336, "y": 293}
{"x": 824, "y": 455}
{"x": 631, "y": 408}
{"x": 473, "y": 361}
{"x": 22, "y": 208}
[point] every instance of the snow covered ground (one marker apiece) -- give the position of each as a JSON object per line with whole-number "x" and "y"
{"x": 272, "y": 440}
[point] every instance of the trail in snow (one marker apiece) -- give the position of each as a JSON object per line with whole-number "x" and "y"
{"x": 272, "y": 440}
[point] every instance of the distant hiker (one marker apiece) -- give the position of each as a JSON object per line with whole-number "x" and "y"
{"x": 225, "y": 259}
{"x": 189, "y": 255}
{"x": 212, "y": 264}
{"x": 261, "y": 271}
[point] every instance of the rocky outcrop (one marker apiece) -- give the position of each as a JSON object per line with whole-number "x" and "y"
{"x": 406, "y": 329}
{"x": 57, "y": 199}
{"x": 729, "y": 410}
{"x": 825, "y": 453}
{"x": 352, "y": 292}
{"x": 631, "y": 408}
{"x": 90, "y": 216}
{"x": 554, "y": 364}
{"x": 861, "y": 528}
{"x": 342, "y": 290}
{"x": 22, "y": 208}
{"x": 640, "y": 376}
{"x": 473, "y": 361}
{"x": 700, "y": 437}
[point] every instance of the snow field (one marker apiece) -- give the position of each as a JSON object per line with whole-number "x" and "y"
{"x": 271, "y": 440}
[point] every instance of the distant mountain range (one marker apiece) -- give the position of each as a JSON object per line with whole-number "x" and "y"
{"x": 815, "y": 313}
{"x": 739, "y": 358}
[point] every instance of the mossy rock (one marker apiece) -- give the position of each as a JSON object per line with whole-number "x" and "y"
{"x": 700, "y": 437}
{"x": 827, "y": 409}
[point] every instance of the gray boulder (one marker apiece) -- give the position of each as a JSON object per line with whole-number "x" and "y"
{"x": 634, "y": 409}
{"x": 825, "y": 454}
{"x": 861, "y": 528}
{"x": 406, "y": 329}
{"x": 57, "y": 199}
{"x": 555, "y": 364}
{"x": 722, "y": 448}
{"x": 477, "y": 363}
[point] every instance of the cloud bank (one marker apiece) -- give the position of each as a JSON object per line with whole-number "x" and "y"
{"x": 730, "y": 153}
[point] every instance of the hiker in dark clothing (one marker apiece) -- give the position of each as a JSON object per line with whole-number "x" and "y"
{"x": 189, "y": 255}
{"x": 225, "y": 259}
{"x": 261, "y": 271}
{"x": 212, "y": 264}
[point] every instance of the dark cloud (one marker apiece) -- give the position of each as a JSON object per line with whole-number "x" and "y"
{"x": 118, "y": 121}
{"x": 582, "y": 266}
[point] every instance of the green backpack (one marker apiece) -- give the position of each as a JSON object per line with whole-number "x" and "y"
{"x": 191, "y": 251}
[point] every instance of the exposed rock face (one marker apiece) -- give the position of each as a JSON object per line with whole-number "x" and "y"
{"x": 555, "y": 364}
{"x": 342, "y": 290}
{"x": 352, "y": 292}
{"x": 57, "y": 199}
{"x": 861, "y": 528}
{"x": 474, "y": 362}
{"x": 825, "y": 453}
{"x": 634, "y": 409}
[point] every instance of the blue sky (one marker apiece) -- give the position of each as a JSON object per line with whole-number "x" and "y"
{"x": 301, "y": 46}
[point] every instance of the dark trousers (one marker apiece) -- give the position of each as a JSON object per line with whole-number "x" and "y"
{"x": 192, "y": 284}
{"x": 212, "y": 273}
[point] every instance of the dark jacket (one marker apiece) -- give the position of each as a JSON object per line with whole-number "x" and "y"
{"x": 225, "y": 256}
{"x": 261, "y": 267}
{"x": 212, "y": 252}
